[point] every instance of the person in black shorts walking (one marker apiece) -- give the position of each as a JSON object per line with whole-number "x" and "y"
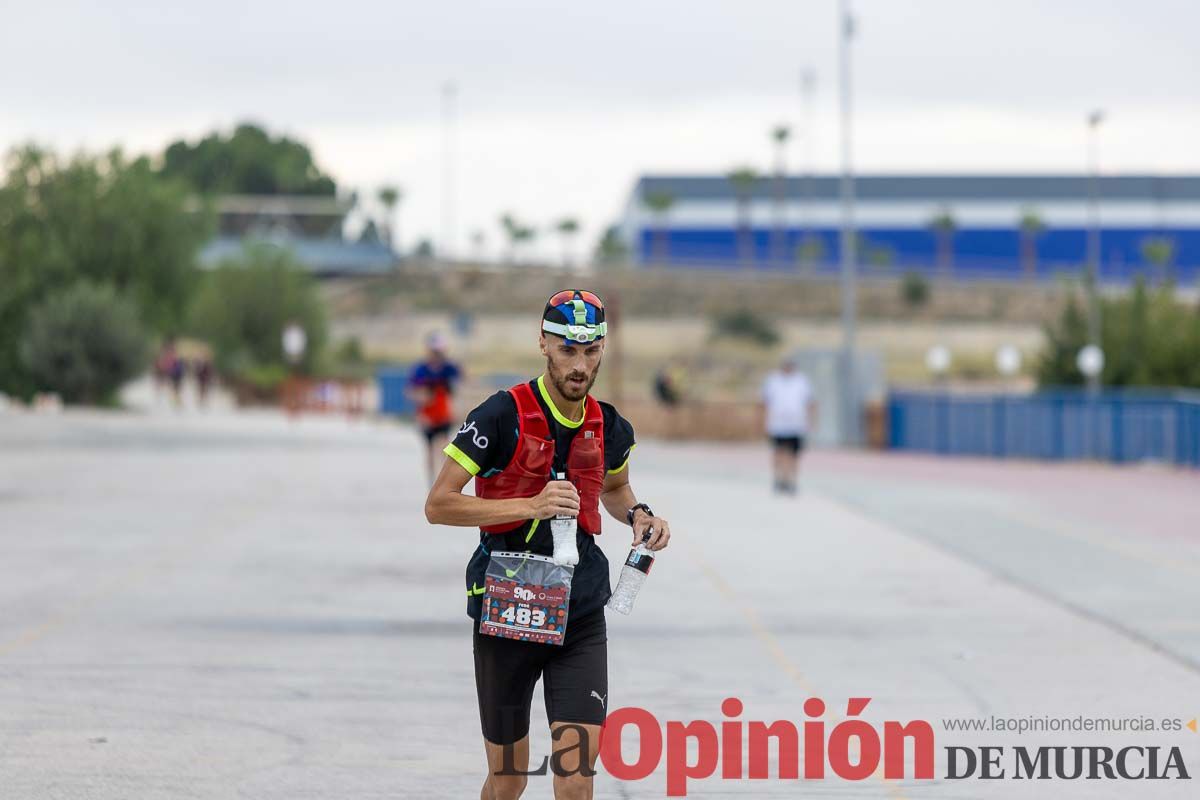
{"x": 788, "y": 412}
{"x": 500, "y": 446}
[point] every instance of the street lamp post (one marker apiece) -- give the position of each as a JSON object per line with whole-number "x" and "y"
{"x": 1093, "y": 239}
{"x": 449, "y": 96}
{"x": 808, "y": 83}
{"x": 848, "y": 256}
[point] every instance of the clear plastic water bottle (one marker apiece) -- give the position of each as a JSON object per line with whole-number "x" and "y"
{"x": 633, "y": 575}
{"x": 562, "y": 528}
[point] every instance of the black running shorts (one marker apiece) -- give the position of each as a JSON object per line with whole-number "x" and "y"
{"x": 436, "y": 431}
{"x": 574, "y": 678}
{"x": 789, "y": 444}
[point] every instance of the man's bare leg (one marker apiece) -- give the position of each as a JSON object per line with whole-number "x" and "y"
{"x": 791, "y": 470}
{"x": 574, "y": 784}
{"x": 778, "y": 467}
{"x": 505, "y": 787}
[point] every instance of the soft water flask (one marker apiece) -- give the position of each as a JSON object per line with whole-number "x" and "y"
{"x": 562, "y": 528}
{"x": 633, "y": 575}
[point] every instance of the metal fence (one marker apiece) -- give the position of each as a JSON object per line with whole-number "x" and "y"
{"x": 1119, "y": 426}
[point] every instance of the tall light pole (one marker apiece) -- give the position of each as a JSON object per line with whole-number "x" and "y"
{"x": 808, "y": 83}
{"x": 449, "y": 97}
{"x": 850, "y": 426}
{"x": 1094, "y": 119}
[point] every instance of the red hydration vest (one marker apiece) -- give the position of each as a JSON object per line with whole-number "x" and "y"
{"x": 533, "y": 459}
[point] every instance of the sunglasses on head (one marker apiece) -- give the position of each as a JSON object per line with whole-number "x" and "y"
{"x": 568, "y": 295}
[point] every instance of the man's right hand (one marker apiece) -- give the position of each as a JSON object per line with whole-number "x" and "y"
{"x": 558, "y": 497}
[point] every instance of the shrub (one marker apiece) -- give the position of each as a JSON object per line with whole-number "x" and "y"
{"x": 244, "y": 305}
{"x": 914, "y": 290}
{"x": 743, "y": 323}
{"x": 1148, "y": 338}
{"x": 104, "y": 219}
{"x": 84, "y": 342}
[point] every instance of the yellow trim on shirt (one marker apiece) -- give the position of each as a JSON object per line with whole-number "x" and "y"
{"x": 624, "y": 463}
{"x": 554, "y": 409}
{"x": 464, "y": 460}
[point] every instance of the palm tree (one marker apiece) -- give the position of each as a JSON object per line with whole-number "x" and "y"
{"x": 567, "y": 227}
{"x": 810, "y": 251}
{"x": 744, "y": 179}
{"x": 780, "y": 135}
{"x": 659, "y": 204}
{"x": 511, "y": 230}
{"x": 389, "y": 198}
{"x": 943, "y": 226}
{"x": 1159, "y": 251}
{"x": 478, "y": 240}
{"x": 1031, "y": 227}
{"x": 525, "y": 235}
{"x": 610, "y": 249}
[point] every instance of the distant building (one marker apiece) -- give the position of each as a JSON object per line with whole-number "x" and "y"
{"x": 309, "y": 226}
{"x": 967, "y": 224}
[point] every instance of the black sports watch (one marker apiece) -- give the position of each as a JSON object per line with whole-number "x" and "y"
{"x": 629, "y": 513}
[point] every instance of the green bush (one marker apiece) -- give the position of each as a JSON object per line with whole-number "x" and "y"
{"x": 1149, "y": 339}
{"x": 914, "y": 290}
{"x": 84, "y": 342}
{"x": 743, "y": 323}
{"x": 244, "y": 305}
{"x": 346, "y": 361}
{"x": 104, "y": 219}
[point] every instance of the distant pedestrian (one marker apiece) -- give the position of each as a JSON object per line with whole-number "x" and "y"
{"x": 789, "y": 413}
{"x": 168, "y": 369}
{"x": 431, "y": 385}
{"x": 202, "y": 369}
{"x": 669, "y": 384}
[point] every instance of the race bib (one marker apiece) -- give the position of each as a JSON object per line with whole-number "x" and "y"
{"x": 525, "y": 597}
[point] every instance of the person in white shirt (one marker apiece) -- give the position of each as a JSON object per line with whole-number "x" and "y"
{"x": 789, "y": 410}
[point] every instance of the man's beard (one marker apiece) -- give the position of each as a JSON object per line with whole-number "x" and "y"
{"x": 571, "y": 391}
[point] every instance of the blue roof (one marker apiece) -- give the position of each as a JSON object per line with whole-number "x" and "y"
{"x": 943, "y": 188}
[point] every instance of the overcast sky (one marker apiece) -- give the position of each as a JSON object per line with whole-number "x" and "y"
{"x": 561, "y": 105}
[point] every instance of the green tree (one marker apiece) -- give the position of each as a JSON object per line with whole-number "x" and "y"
{"x": 1149, "y": 338}
{"x": 780, "y": 134}
{"x": 914, "y": 290}
{"x": 660, "y": 204}
{"x": 247, "y": 161}
{"x": 744, "y": 181}
{"x": 389, "y": 198}
{"x": 880, "y": 257}
{"x": 1159, "y": 252}
{"x": 105, "y": 219}
{"x": 742, "y": 323}
{"x": 246, "y": 302}
{"x": 518, "y": 234}
{"x": 943, "y": 226}
{"x": 84, "y": 342}
{"x": 810, "y": 251}
{"x": 1064, "y": 339}
{"x": 611, "y": 250}
{"x": 567, "y": 228}
{"x": 1031, "y": 227}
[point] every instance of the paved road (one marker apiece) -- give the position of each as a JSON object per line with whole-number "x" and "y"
{"x": 215, "y": 606}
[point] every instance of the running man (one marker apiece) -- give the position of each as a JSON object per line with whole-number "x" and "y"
{"x": 511, "y": 444}
{"x": 789, "y": 411}
{"x": 431, "y": 385}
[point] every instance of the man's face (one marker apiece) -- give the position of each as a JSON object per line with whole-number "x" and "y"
{"x": 571, "y": 367}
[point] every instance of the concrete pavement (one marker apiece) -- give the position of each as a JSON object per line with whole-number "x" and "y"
{"x": 212, "y": 606}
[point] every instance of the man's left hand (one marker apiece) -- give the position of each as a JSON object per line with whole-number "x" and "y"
{"x": 643, "y": 522}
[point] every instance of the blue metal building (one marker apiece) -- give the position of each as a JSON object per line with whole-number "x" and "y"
{"x": 1150, "y": 225}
